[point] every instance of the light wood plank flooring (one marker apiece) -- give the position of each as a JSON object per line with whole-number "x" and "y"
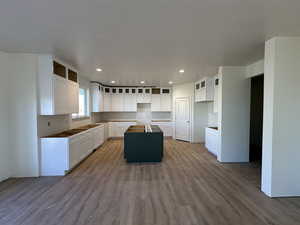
{"x": 188, "y": 188}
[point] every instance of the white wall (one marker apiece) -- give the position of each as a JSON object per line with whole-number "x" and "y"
{"x": 255, "y": 69}
{"x": 234, "y": 115}
{"x": 280, "y": 164}
{"x": 5, "y": 150}
{"x": 22, "y": 114}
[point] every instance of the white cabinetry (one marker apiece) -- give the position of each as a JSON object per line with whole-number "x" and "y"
{"x": 161, "y": 100}
{"x": 144, "y": 95}
{"x": 166, "y": 100}
{"x": 117, "y": 100}
{"x": 155, "y": 103}
{"x": 60, "y": 155}
{"x": 117, "y": 129}
{"x": 107, "y": 100}
{"x": 204, "y": 90}
{"x": 216, "y": 93}
{"x": 166, "y": 127}
{"x": 114, "y": 99}
{"x": 212, "y": 140}
{"x": 130, "y": 100}
{"x": 58, "y": 87}
{"x": 97, "y": 98}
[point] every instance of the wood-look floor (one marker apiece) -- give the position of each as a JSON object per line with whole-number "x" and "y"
{"x": 188, "y": 188}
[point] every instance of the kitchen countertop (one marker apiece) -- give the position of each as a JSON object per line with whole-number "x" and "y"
{"x": 155, "y": 120}
{"x": 69, "y": 133}
{"x": 107, "y": 121}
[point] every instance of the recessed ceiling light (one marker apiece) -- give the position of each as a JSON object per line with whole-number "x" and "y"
{"x": 170, "y": 82}
{"x": 142, "y": 82}
{"x": 99, "y": 70}
{"x": 113, "y": 82}
{"x": 181, "y": 71}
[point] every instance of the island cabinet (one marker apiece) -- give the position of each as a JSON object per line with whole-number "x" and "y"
{"x": 58, "y": 87}
{"x": 143, "y": 144}
{"x": 59, "y": 154}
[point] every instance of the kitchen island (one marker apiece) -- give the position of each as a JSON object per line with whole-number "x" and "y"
{"x": 143, "y": 144}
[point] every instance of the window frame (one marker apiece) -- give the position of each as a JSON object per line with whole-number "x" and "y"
{"x": 86, "y": 115}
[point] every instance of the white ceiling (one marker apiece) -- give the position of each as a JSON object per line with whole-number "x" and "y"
{"x": 133, "y": 40}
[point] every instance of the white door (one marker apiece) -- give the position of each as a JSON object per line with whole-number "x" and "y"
{"x": 182, "y": 119}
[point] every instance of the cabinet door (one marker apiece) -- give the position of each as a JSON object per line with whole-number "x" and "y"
{"x": 101, "y": 98}
{"x": 117, "y": 103}
{"x": 202, "y": 94}
{"x": 60, "y": 95}
{"x": 166, "y": 127}
{"x": 107, "y": 102}
{"x": 140, "y": 95}
{"x": 156, "y": 103}
{"x": 147, "y": 95}
{"x": 95, "y": 98}
{"x": 130, "y": 103}
{"x": 216, "y": 94}
{"x": 111, "y": 130}
{"x": 166, "y": 103}
{"x": 73, "y": 102}
{"x": 74, "y": 152}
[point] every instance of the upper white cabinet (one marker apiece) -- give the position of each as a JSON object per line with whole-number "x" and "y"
{"x": 216, "y": 93}
{"x": 130, "y": 100}
{"x": 117, "y": 100}
{"x": 166, "y": 100}
{"x": 107, "y": 99}
{"x": 155, "y": 100}
{"x": 58, "y": 87}
{"x": 125, "y": 99}
{"x": 204, "y": 90}
{"x": 97, "y": 97}
{"x": 144, "y": 95}
{"x": 161, "y": 100}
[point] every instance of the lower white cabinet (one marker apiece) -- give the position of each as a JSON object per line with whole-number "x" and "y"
{"x": 166, "y": 127}
{"x": 60, "y": 155}
{"x": 212, "y": 140}
{"x": 117, "y": 129}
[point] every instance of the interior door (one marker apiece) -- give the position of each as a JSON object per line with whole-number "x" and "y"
{"x": 182, "y": 119}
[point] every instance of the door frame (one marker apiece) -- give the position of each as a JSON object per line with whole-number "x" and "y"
{"x": 190, "y": 100}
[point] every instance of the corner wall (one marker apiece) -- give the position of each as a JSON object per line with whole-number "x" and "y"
{"x": 234, "y": 115}
{"x": 23, "y": 115}
{"x": 5, "y": 150}
{"x": 281, "y": 154}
